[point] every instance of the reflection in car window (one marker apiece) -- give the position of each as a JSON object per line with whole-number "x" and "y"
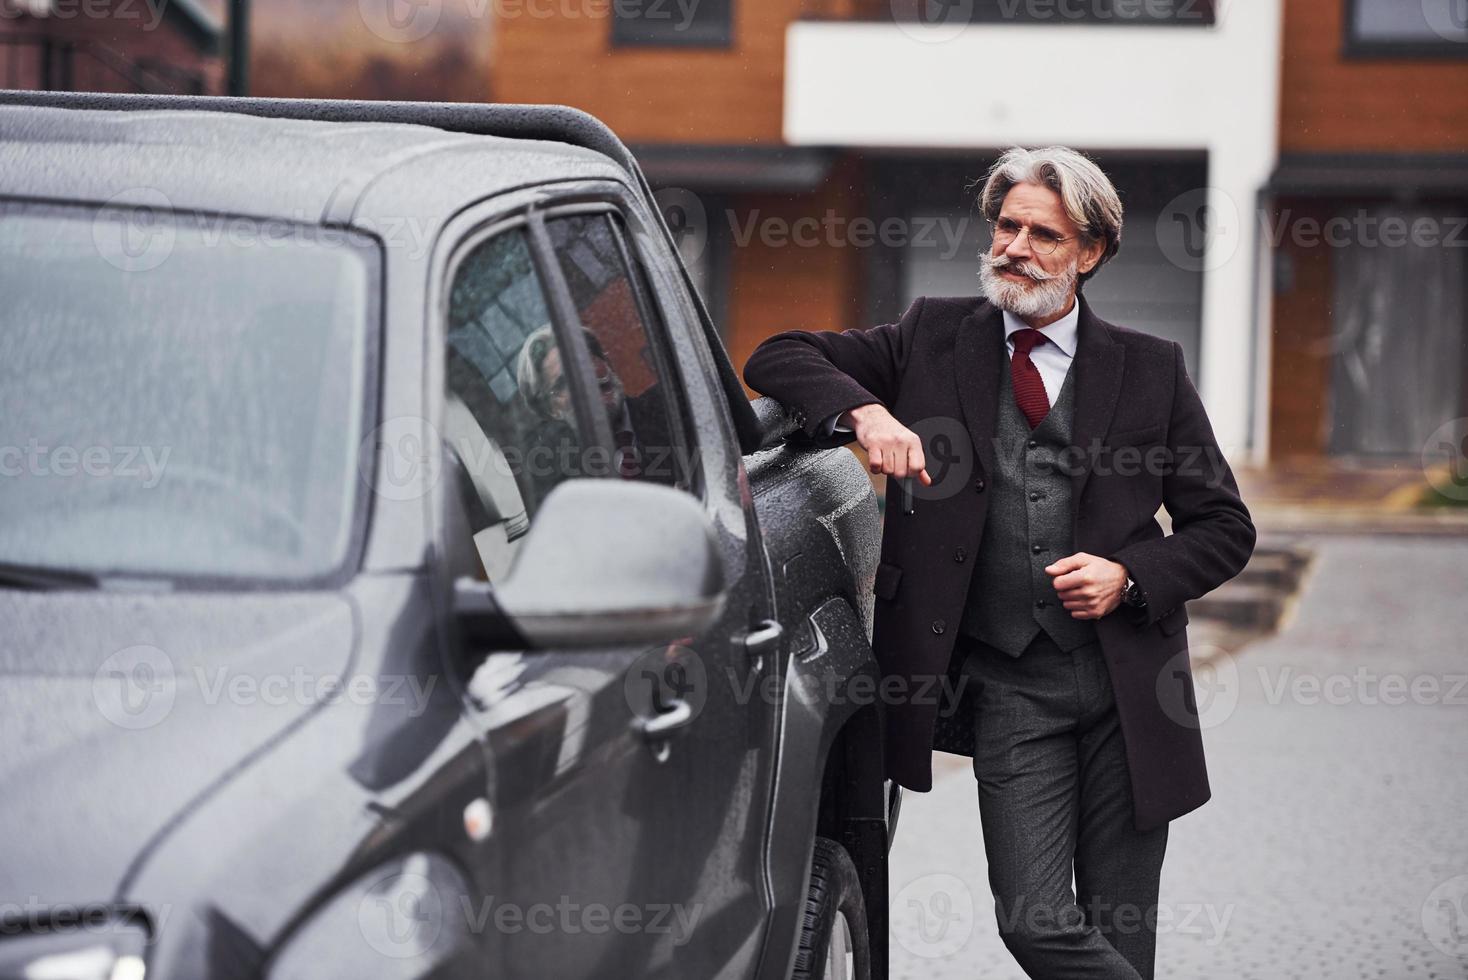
{"x": 633, "y": 390}
{"x": 509, "y": 427}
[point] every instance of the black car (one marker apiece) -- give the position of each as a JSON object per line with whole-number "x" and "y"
{"x": 395, "y": 579}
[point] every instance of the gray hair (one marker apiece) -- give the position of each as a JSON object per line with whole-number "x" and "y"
{"x": 1089, "y": 199}
{"x": 528, "y": 374}
{"x": 530, "y": 365}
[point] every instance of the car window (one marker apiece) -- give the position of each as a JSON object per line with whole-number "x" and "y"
{"x": 178, "y": 404}
{"x": 637, "y": 388}
{"x": 509, "y": 429}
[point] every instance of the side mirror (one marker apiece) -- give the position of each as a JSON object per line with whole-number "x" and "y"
{"x": 605, "y": 562}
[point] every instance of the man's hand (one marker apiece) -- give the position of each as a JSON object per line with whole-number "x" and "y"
{"x": 1088, "y": 586}
{"x": 891, "y": 447}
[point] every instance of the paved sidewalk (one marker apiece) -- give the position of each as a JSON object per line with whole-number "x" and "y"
{"x": 1336, "y": 843}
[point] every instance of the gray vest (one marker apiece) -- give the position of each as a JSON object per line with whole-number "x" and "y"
{"x": 1010, "y": 598}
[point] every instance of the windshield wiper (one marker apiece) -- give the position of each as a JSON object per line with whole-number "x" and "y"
{"x": 16, "y": 576}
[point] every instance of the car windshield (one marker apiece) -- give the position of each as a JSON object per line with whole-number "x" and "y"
{"x": 181, "y": 397}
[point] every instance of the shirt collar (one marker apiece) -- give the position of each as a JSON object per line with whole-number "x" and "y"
{"x": 1062, "y": 332}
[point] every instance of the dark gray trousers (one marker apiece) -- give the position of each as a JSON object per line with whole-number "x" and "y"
{"x": 1055, "y": 803}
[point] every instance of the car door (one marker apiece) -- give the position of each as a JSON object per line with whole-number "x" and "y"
{"x": 630, "y": 785}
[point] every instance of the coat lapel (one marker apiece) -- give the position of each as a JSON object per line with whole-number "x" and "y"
{"x": 1098, "y": 365}
{"x": 978, "y": 359}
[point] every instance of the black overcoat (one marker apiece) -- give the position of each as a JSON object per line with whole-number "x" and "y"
{"x": 1141, "y": 440}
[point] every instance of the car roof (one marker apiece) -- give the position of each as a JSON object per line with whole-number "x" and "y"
{"x": 331, "y": 172}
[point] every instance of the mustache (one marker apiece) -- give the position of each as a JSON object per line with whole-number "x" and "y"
{"x": 1025, "y": 269}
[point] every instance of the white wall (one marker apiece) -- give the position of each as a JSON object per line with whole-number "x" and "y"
{"x": 1097, "y": 87}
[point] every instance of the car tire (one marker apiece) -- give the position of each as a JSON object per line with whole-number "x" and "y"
{"x": 833, "y": 935}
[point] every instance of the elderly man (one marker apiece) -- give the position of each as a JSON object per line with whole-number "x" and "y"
{"x": 1034, "y": 565}
{"x": 638, "y": 423}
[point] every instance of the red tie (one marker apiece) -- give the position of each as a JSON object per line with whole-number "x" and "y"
{"x": 1029, "y": 389}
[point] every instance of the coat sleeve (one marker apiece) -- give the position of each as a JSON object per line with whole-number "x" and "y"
{"x": 818, "y": 374}
{"x": 1212, "y": 533}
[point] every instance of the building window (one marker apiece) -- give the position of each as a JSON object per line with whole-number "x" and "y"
{"x": 1181, "y": 13}
{"x": 704, "y": 23}
{"x": 1430, "y": 28}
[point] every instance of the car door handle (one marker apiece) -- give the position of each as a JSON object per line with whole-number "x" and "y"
{"x": 666, "y": 723}
{"x": 763, "y": 638}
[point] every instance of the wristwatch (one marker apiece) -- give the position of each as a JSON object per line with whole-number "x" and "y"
{"x": 1133, "y": 595}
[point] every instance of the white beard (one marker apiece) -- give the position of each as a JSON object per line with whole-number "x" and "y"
{"x": 1044, "y": 296}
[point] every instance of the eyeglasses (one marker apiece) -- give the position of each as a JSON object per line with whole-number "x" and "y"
{"x": 1006, "y": 230}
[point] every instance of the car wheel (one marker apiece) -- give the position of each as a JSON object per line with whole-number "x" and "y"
{"x": 833, "y": 937}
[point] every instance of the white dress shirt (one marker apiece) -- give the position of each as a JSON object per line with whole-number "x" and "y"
{"x": 1052, "y": 359}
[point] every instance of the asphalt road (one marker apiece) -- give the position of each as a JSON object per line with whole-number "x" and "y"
{"x": 1336, "y": 843}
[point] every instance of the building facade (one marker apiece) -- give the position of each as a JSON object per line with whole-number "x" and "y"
{"x": 1367, "y": 220}
{"x": 821, "y": 156}
{"x": 172, "y": 47}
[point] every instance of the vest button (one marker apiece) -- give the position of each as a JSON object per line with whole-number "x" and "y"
{"x": 979, "y": 486}
{"x": 939, "y": 626}
{"x": 959, "y": 555}
{"x": 1034, "y": 496}
{"x": 1035, "y": 549}
{"x": 1033, "y": 444}
{"x": 1041, "y": 603}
